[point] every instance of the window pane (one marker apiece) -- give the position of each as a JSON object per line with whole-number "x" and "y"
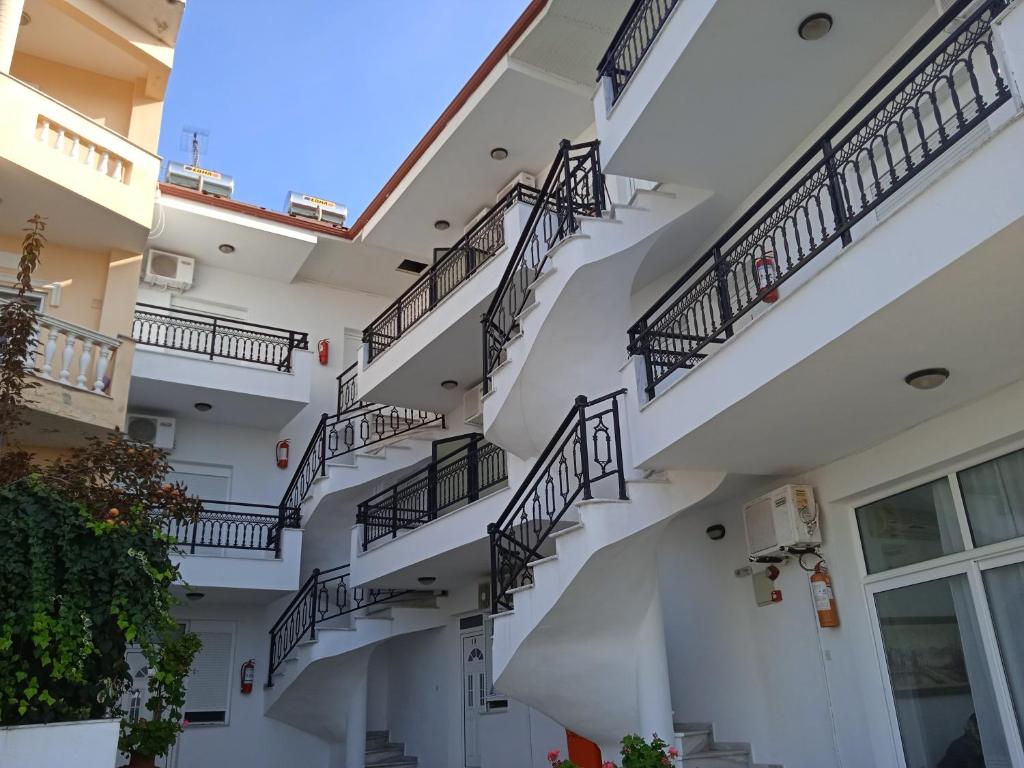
{"x": 942, "y": 689}
{"x": 994, "y": 498}
{"x": 1005, "y": 587}
{"x": 919, "y": 524}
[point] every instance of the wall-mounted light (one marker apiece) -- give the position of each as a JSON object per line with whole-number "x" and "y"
{"x": 815, "y": 26}
{"x": 927, "y": 378}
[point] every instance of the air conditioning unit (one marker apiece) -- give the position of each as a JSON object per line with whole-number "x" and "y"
{"x": 309, "y": 207}
{"x": 521, "y": 178}
{"x": 169, "y": 270}
{"x": 473, "y": 407}
{"x": 783, "y": 519}
{"x": 476, "y": 219}
{"x": 200, "y": 179}
{"x": 158, "y": 431}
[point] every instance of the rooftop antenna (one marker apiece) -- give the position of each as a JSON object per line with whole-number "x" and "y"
{"x": 196, "y": 141}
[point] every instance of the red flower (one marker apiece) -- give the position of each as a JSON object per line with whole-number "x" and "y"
{"x": 673, "y": 752}
{"x": 553, "y": 756}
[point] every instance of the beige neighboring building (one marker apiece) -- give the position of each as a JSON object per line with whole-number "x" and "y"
{"x": 82, "y": 86}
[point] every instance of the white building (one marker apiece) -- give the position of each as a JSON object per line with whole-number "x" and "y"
{"x": 777, "y": 247}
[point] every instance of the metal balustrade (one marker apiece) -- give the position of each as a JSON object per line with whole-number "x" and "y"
{"x": 216, "y": 337}
{"x": 943, "y": 87}
{"x": 585, "y": 450}
{"x": 632, "y": 41}
{"x": 325, "y": 595}
{"x": 461, "y": 470}
{"x": 451, "y": 268}
{"x": 348, "y": 390}
{"x": 574, "y": 188}
{"x": 232, "y": 525}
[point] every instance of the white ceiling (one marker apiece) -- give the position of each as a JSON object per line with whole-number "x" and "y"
{"x": 160, "y": 18}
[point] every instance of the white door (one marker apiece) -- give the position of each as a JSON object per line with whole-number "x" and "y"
{"x": 474, "y": 681}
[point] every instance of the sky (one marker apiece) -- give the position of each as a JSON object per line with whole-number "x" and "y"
{"x": 325, "y": 97}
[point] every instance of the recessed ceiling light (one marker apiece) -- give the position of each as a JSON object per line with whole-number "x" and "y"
{"x": 449, "y": 384}
{"x": 927, "y": 378}
{"x": 499, "y": 153}
{"x": 426, "y": 581}
{"x": 25, "y": 19}
{"x": 410, "y": 266}
{"x": 226, "y": 248}
{"x": 203, "y": 407}
{"x": 815, "y": 26}
{"x": 195, "y": 596}
{"x": 441, "y": 225}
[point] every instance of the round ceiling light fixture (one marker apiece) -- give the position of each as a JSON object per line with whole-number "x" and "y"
{"x": 195, "y": 596}
{"x": 449, "y": 384}
{"x": 203, "y": 407}
{"x": 927, "y": 378}
{"x": 499, "y": 153}
{"x": 25, "y": 19}
{"x": 715, "y": 532}
{"x": 426, "y": 581}
{"x": 226, "y": 248}
{"x": 441, "y": 225}
{"x": 815, "y": 26}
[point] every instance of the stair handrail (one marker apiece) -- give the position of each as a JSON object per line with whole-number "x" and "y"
{"x": 348, "y": 390}
{"x": 724, "y": 284}
{"x": 419, "y": 497}
{"x": 313, "y": 604}
{"x": 629, "y": 37}
{"x": 572, "y": 432}
{"x": 428, "y": 282}
{"x": 573, "y": 187}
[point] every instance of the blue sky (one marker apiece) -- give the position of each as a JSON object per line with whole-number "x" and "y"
{"x": 325, "y": 97}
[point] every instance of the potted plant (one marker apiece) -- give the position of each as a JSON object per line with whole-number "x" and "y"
{"x": 636, "y": 753}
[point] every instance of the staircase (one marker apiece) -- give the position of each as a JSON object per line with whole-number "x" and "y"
{"x": 578, "y": 632}
{"x": 698, "y": 749}
{"x": 381, "y": 752}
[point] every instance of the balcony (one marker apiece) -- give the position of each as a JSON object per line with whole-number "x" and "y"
{"x": 886, "y": 244}
{"x": 250, "y": 373}
{"x": 438, "y": 341}
{"x": 95, "y": 187}
{"x": 438, "y": 511}
{"x": 81, "y": 391}
{"x": 236, "y": 545}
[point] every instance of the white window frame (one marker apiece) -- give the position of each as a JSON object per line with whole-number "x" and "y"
{"x": 230, "y": 627}
{"x": 972, "y": 562}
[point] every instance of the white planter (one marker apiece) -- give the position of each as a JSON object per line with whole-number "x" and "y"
{"x": 82, "y": 744}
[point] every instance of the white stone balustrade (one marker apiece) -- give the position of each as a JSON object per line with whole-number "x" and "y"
{"x": 70, "y": 354}
{"x": 76, "y": 147}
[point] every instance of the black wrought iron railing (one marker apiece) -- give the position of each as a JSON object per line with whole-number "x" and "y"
{"x": 574, "y": 188}
{"x": 943, "y": 87}
{"x": 631, "y": 42}
{"x": 360, "y": 427}
{"x": 348, "y": 390}
{"x": 583, "y": 457}
{"x": 461, "y": 470}
{"x": 451, "y": 268}
{"x": 213, "y": 337}
{"x": 232, "y": 525}
{"x": 325, "y": 595}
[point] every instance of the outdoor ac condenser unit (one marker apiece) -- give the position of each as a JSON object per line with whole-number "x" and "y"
{"x": 200, "y": 179}
{"x": 309, "y": 207}
{"x": 158, "y": 431}
{"x": 521, "y": 178}
{"x": 169, "y": 270}
{"x": 472, "y": 406}
{"x": 783, "y": 519}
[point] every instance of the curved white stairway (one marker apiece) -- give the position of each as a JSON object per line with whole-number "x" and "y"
{"x": 592, "y": 268}
{"x": 585, "y": 641}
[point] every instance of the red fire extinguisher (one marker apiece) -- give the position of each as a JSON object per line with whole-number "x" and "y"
{"x": 282, "y": 453}
{"x": 824, "y": 599}
{"x": 248, "y": 674}
{"x": 323, "y": 350}
{"x": 765, "y": 273}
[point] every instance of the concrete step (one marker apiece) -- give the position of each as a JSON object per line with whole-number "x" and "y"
{"x": 388, "y": 754}
{"x": 716, "y": 757}
{"x": 693, "y": 740}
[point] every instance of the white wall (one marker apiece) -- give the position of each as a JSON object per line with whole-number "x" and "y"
{"x": 249, "y": 738}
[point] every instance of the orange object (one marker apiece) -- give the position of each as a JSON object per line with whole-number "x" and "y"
{"x": 248, "y": 674}
{"x": 323, "y": 350}
{"x": 281, "y": 453}
{"x": 765, "y": 273}
{"x": 582, "y": 752}
{"x": 824, "y": 600}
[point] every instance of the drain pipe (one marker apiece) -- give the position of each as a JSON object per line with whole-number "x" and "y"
{"x": 10, "y": 21}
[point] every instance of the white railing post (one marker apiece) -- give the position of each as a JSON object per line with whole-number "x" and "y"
{"x": 50, "y": 349}
{"x": 91, "y": 364}
{"x": 68, "y": 357}
{"x": 102, "y": 362}
{"x": 84, "y": 362}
